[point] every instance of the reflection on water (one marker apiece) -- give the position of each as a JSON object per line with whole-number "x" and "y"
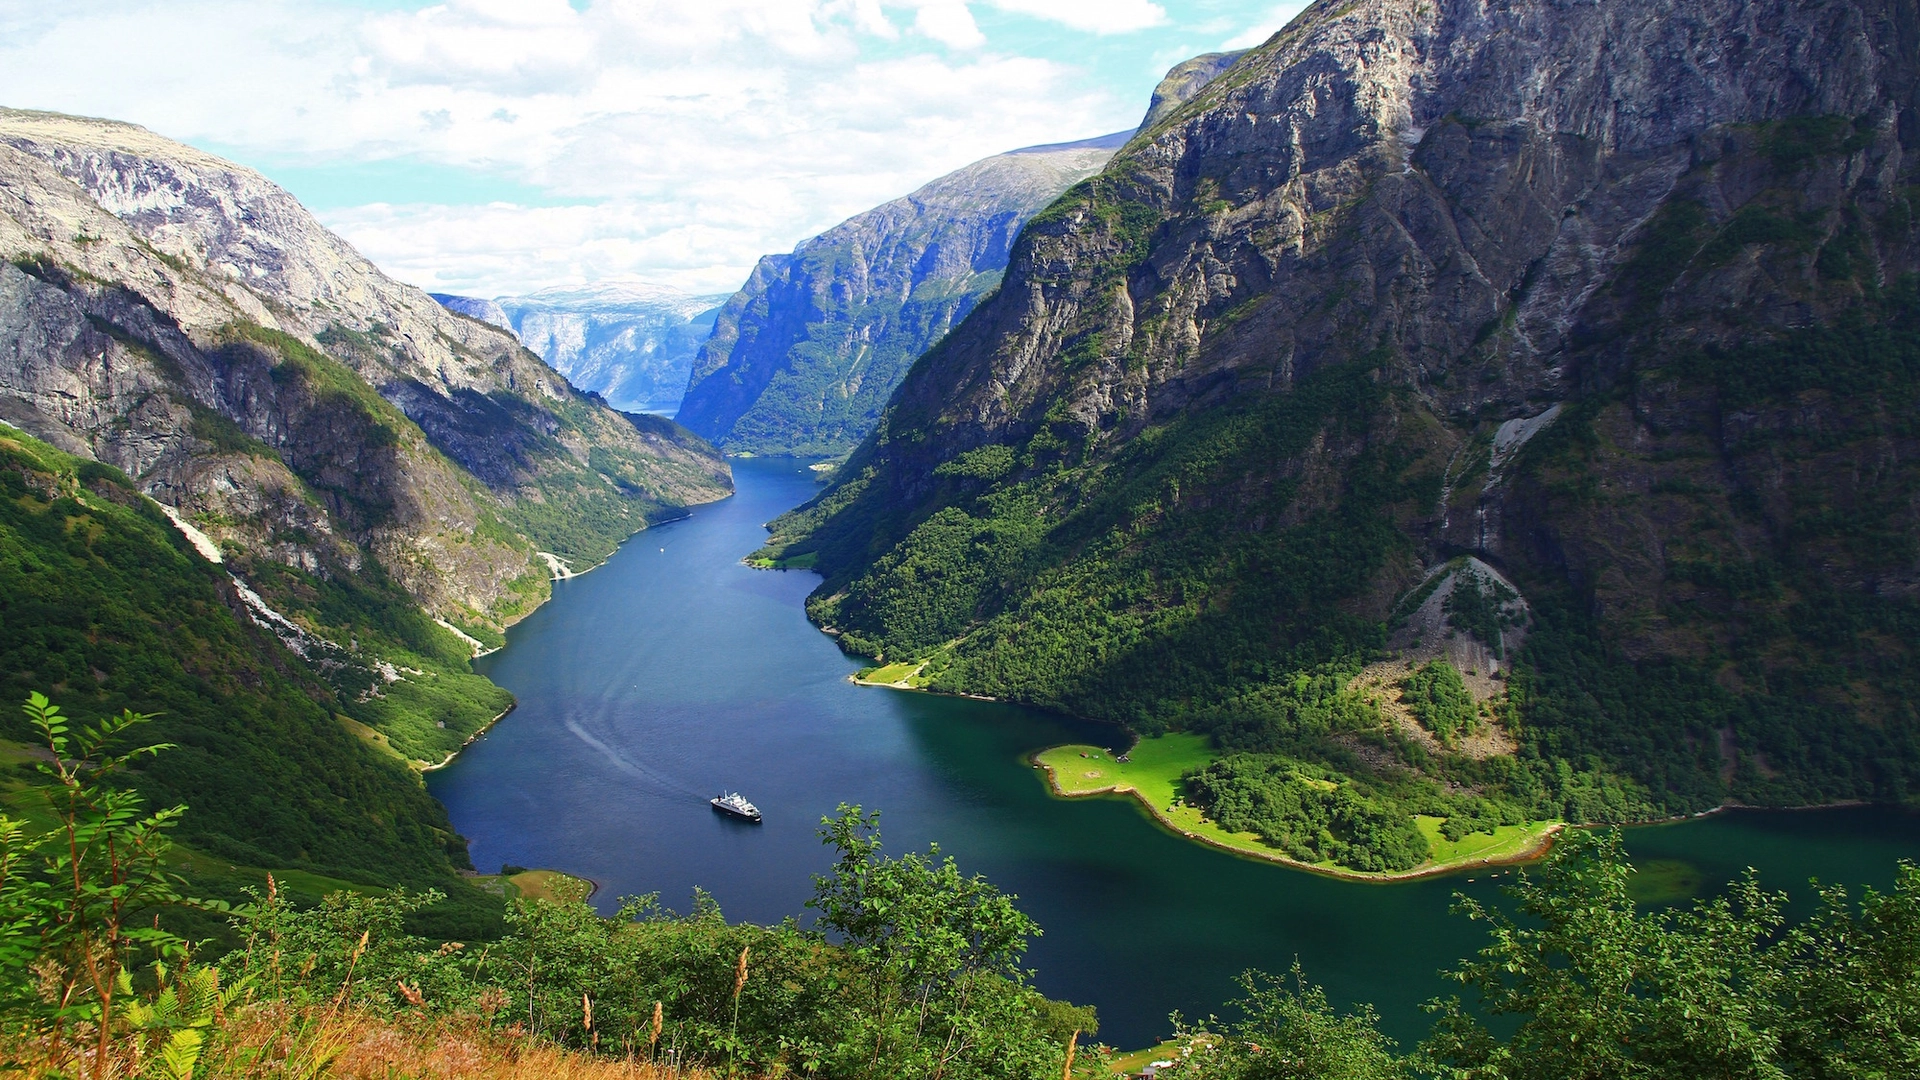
{"x": 674, "y": 672}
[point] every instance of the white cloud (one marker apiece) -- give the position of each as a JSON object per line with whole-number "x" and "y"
{"x": 1260, "y": 30}
{"x": 1096, "y": 16}
{"x": 950, "y": 23}
{"x": 701, "y": 135}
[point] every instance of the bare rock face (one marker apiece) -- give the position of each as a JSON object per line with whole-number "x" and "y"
{"x": 474, "y": 307}
{"x": 1184, "y": 81}
{"x": 631, "y": 343}
{"x": 803, "y": 358}
{"x": 184, "y": 319}
{"x": 1590, "y": 292}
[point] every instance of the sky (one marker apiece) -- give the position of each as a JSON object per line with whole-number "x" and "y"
{"x": 497, "y": 147}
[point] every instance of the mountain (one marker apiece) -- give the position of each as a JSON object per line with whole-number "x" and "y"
{"x": 1545, "y": 370}
{"x": 106, "y": 605}
{"x": 804, "y": 356}
{"x": 633, "y": 344}
{"x": 473, "y": 307}
{"x": 384, "y": 483}
{"x": 1184, "y": 81}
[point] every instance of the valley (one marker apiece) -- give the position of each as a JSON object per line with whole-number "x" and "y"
{"x": 1411, "y": 553}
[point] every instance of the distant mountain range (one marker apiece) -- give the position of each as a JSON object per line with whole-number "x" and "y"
{"x": 804, "y": 357}
{"x": 631, "y": 343}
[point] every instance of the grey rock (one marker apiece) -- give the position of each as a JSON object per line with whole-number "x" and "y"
{"x": 1184, "y": 81}
{"x": 803, "y": 358}
{"x": 184, "y": 319}
{"x": 474, "y": 307}
{"x": 633, "y": 344}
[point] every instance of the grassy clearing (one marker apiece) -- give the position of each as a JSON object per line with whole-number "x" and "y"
{"x": 764, "y": 560}
{"x": 551, "y": 885}
{"x": 1152, "y": 775}
{"x": 1507, "y": 843}
{"x": 1133, "y": 1062}
{"x": 904, "y": 675}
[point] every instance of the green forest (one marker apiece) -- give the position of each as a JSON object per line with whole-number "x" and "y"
{"x": 1200, "y": 576}
{"x": 105, "y": 604}
{"x": 908, "y": 968}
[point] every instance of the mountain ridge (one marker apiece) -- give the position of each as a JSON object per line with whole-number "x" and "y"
{"x": 630, "y": 342}
{"x": 384, "y": 480}
{"x": 1247, "y": 393}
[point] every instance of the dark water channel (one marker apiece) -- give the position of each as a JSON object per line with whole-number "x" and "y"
{"x": 674, "y": 672}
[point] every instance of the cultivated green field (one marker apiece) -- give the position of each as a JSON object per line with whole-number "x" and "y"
{"x": 1152, "y": 775}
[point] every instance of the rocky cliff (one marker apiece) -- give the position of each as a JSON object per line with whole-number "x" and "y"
{"x": 359, "y": 453}
{"x": 804, "y": 356}
{"x": 1575, "y": 344}
{"x": 630, "y": 343}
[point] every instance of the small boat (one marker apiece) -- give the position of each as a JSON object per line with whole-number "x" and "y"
{"x": 734, "y": 803}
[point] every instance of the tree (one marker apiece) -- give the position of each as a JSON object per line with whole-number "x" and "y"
{"x": 1606, "y": 991}
{"x": 937, "y": 954}
{"x": 1289, "y": 1033}
{"x": 75, "y": 902}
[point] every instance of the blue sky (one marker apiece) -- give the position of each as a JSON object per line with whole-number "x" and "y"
{"x": 502, "y": 146}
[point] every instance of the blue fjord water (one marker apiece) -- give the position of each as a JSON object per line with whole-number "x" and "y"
{"x": 675, "y": 671}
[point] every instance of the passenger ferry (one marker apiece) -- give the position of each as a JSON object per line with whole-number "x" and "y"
{"x": 733, "y": 803}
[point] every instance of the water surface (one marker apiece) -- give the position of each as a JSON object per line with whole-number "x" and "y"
{"x": 674, "y": 672}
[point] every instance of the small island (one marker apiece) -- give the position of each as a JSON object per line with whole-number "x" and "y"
{"x": 1151, "y": 775}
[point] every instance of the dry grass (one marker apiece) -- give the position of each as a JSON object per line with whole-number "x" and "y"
{"x": 273, "y": 1042}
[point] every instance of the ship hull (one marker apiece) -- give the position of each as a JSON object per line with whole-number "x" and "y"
{"x": 721, "y": 808}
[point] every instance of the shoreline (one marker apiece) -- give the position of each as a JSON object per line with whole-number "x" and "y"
{"x": 426, "y": 767}
{"x": 454, "y": 753}
{"x": 856, "y": 680}
{"x": 1533, "y": 853}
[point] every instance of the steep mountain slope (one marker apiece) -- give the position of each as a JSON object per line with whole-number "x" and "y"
{"x": 474, "y": 307}
{"x": 1184, "y": 81}
{"x": 803, "y": 357}
{"x": 105, "y": 605}
{"x": 1569, "y": 349}
{"x": 630, "y": 343}
{"x": 367, "y": 461}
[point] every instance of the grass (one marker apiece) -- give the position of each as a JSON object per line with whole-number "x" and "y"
{"x": 905, "y": 673}
{"x": 1151, "y": 775}
{"x": 377, "y": 739}
{"x": 551, "y": 885}
{"x": 1507, "y": 843}
{"x": 1134, "y": 1061}
{"x": 272, "y": 1039}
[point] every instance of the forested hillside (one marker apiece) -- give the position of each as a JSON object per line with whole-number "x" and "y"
{"x": 1399, "y": 409}
{"x": 103, "y": 601}
{"x": 386, "y": 487}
